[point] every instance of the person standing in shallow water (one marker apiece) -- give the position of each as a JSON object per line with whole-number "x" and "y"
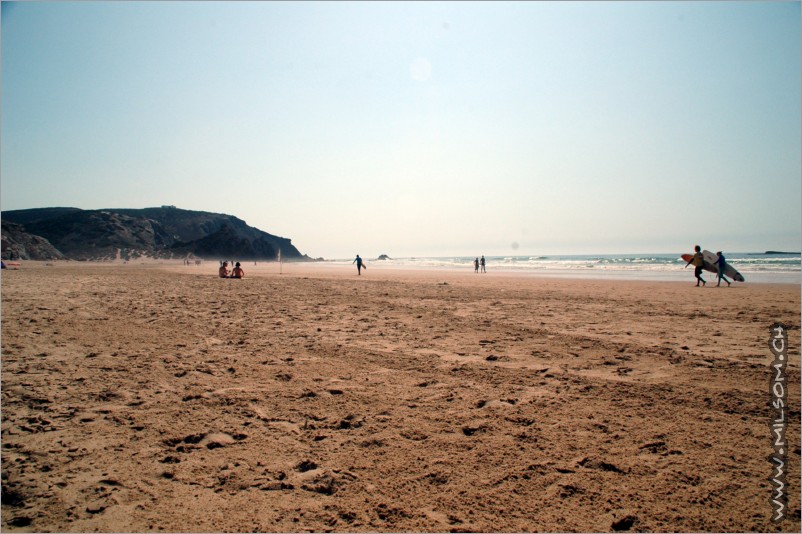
{"x": 482, "y": 263}
{"x": 698, "y": 262}
{"x": 359, "y": 265}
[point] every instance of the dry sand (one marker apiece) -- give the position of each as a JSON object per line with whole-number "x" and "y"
{"x": 159, "y": 397}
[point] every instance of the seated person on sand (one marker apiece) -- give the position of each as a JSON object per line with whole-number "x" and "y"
{"x": 223, "y": 272}
{"x": 237, "y": 272}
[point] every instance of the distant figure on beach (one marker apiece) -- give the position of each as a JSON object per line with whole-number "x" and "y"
{"x": 482, "y": 263}
{"x": 237, "y": 272}
{"x": 223, "y": 272}
{"x": 359, "y": 265}
{"x": 476, "y": 265}
{"x": 721, "y": 261}
{"x": 698, "y": 261}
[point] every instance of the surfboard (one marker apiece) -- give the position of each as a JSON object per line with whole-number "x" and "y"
{"x": 729, "y": 270}
{"x": 707, "y": 266}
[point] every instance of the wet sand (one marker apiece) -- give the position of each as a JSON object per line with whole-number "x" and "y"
{"x": 147, "y": 397}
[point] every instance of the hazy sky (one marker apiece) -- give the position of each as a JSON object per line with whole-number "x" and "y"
{"x": 417, "y": 129}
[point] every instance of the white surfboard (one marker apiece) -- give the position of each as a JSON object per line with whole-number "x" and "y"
{"x": 729, "y": 270}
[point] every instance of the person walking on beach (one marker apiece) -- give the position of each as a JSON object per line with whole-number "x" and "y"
{"x": 721, "y": 261}
{"x": 482, "y": 263}
{"x": 359, "y": 265}
{"x": 476, "y": 265}
{"x": 698, "y": 261}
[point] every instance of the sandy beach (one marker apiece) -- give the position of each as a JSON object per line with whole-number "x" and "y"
{"x": 158, "y": 397}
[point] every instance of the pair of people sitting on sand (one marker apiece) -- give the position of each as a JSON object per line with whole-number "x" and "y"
{"x": 236, "y": 272}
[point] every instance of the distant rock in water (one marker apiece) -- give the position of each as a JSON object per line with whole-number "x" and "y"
{"x": 788, "y": 253}
{"x": 165, "y": 232}
{"x": 384, "y": 257}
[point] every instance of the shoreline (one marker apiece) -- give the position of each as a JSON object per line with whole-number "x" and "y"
{"x": 331, "y": 267}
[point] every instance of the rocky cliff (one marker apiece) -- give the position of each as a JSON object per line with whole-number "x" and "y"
{"x": 19, "y": 245}
{"x": 166, "y": 232}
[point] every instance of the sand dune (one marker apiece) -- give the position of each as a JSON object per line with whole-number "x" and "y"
{"x": 159, "y": 397}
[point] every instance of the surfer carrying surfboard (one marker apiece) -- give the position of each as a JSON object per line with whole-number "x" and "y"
{"x": 359, "y": 265}
{"x": 721, "y": 263}
{"x": 698, "y": 261}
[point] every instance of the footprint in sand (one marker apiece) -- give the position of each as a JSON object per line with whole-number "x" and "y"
{"x": 211, "y": 440}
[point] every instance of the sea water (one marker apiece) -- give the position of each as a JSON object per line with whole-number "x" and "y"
{"x": 755, "y": 267}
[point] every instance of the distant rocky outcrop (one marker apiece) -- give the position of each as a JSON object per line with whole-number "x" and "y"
{"x": 384, "y": 257}
{"x": 17, "y": 244}
{"x": 165, "y": 232}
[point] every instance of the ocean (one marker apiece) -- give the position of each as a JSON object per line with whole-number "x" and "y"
{"x": 755, "y": 267}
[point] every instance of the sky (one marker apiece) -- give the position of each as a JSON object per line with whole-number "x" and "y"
{"x": 417, "y": 129}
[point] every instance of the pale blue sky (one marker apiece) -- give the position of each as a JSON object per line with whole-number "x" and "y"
{"x": 417, "y": 129}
